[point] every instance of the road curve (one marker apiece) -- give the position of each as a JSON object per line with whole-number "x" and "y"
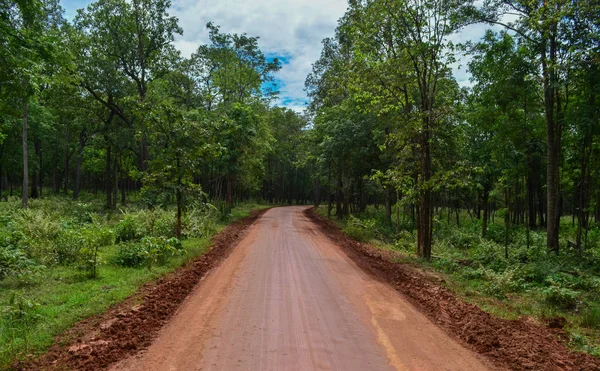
{"x": 287, "y": 298}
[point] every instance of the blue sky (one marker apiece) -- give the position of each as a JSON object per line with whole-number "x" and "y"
{"x": 291, "y": 30}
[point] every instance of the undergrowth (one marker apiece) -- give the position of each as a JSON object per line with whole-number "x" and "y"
{"x": 530, "y": 282}
{"x": 63, "y": 260}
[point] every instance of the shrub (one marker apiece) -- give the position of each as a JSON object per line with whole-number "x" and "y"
{"x": 67, "y": 246}
{"x": 20, "y": 310}
{"x": 560, "y": 297}
{"x": 361, "y": 230}
{"x": 462, "y": 240}
{"x": 164, "y": 224}
{"x": 149, "y": 251}
{"x": 406, "y": 241}
{"x": 130, "y": 254}
{"x": 499, "y": 284}
{"x": 93, "y": 238}
{"x": 15, "y": 263}
{"x": 159, "y": 250}
{"x": 80, "y": 248}
{"x": 200, "y": 220}
{"x": 590, "y": 317}
{"x": 126, "y": 230}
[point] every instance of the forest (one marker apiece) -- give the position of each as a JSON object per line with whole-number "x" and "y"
{"x": 117, "y": 153}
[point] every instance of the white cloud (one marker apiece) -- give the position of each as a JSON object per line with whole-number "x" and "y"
{"x": 290, "y": 28}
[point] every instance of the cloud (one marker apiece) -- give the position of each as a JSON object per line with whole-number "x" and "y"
{"x": 291, "y": 30}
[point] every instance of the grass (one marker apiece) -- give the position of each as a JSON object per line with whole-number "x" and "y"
{"x": 36, "y": 309}
{"x": 529, "y": 283}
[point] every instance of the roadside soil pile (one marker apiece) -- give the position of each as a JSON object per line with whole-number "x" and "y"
{"x": 513, "y": 344}
{"x": 132, "y": 325}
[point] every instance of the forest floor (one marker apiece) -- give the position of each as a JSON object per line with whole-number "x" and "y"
{"x": 297, "y": 293}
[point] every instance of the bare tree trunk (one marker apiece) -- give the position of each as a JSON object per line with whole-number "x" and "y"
{"x": 553, "y": 136}
{"x": 25, "y": 193}
{"x": 179, "y": 201}
{"x": 339, "y": 194}
{"x": 107, "y": 175}
{"x": 77, "y": 189}
{"x": 425, "y": 209}
{"x": 388, "y": 205}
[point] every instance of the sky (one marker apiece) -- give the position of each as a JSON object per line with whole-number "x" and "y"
{"x": 291, "y": 30}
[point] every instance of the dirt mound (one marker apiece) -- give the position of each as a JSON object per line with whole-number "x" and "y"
{"x": 513, "y": 344}
{"x": 132, "y": 325}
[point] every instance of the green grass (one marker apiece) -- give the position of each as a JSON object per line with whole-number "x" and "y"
{"x": 529, "y": 283}
{"x": 34, "y": 310}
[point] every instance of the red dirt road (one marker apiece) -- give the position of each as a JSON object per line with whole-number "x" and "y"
{"x": 288, "y": 298}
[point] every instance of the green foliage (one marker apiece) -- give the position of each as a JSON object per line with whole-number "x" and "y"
{"x": 561, "y": 297}
{"x": 127, "y": 230}
{"x": 20, "y": 311}
{"x": 15, "y": 263}
{"x": 150, "y": 251}
{"x": 590, "y": 317}
{"x": 362, "y": 230}
{"x": 130, "y": 254}
{"x": 200, "y": 221}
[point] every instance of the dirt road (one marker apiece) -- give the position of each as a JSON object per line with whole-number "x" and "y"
{"x": 287, "y": 298}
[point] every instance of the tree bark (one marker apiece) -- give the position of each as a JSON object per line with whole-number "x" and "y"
{"x": 553, "y": 141}
{"x": 107, "y": 177}
{"x": 425, "y": 210}
{"x": 25, "y": 189}
{"x": 77, "y": 188}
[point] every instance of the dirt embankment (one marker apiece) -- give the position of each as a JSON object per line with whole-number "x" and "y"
{"x": 128, "y": 327}
{"x": 513, "y": 344}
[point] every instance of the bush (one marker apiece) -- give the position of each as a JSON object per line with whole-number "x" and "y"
{"x": 200, "y": 220}
{"x": 93, "y": 238}
{"x": 126, "y": 230}
{"x": 500, "y": 284}
{"x": 560, "y": 297}
{"x": 149, "y": 251}
{"x": 67, "y": 246}
{"x": 164, "y": 224}
{"x": 159, "y": 250}
{"x": 15, "y": 263}
{"x": 20, "y": 311}
{"x": 407, "y": 241}
{"x": 80, "y": 247}
{"x": 361, "y": 230}
{"x": 130, "y": 254}
{"x": 590, "y": 317}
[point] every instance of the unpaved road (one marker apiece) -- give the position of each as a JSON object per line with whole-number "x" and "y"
{"x": 287, "y": 298}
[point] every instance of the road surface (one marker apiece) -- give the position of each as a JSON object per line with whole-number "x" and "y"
{"x": 288, "y": 298}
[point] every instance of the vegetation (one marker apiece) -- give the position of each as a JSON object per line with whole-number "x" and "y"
{"x": 527, "y": 283}
{"x": 64, "y": 260}
{"x": 496, "y": 184}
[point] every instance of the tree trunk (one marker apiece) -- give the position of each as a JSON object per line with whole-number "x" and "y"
{"x": 553, "y": 139}
{"x": 77, "y": 189}
{"x": 506, "y": 221}
{"x": 339, "y": 195}
{"x": 388, "y": 205}
{"x": 107, "y": 175}
{"x": 37, "y": 177}
{"x": 425, "y": 210}
{"x": 115, "y": 192}
{"x": 486, "y": 212}
{"x": 25, "y": 189}
{"x": 179, "y": 201}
